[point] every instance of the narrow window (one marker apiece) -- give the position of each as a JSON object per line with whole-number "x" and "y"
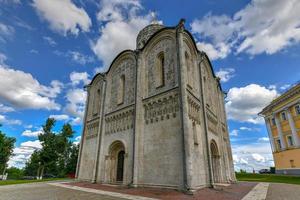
{"x": 121, "y": 91}
{"x": 188, "y": 69}
{"x": 273, "y": 122}
{"x": 278, "y": 144}
{"x": 160, "y": 70}
{"x": 195, "y": 136}
{"x": 297, "y": 109}
{"x": 290, "y": 141}
{"x": 283, "y": 116}
{"x": 96, "y": 102}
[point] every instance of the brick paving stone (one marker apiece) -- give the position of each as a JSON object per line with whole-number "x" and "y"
{"x": 232, "y": 192}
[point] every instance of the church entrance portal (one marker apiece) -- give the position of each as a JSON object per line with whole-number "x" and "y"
{"x": 215, "y": 160}
{"x": 116, "y": 162}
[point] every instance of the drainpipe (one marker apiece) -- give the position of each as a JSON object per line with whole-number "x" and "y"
{"x": 211, "y": 181}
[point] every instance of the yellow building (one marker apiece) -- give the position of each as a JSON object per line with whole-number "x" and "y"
{"x": 282, "y": 119}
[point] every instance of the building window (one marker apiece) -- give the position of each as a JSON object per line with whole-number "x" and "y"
{"x": 290, "y": 141}
{"x": 292, "y": 164}
{"x": 273, "y": 122}
{"x": 121, "y": 91}
{"x": 278, "y": 144}
{"x": 297, "y": 109}
{"x": 189, "y": 66}
{"x": 160, "y": 70}
{"x": 283, "y": 116}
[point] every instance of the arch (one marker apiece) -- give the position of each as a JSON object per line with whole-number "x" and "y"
{"x": 215, "y": 161}
{"x": 116, "y": 162}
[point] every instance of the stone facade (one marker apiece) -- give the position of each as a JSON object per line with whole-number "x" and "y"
{"x": 157, "y": 117}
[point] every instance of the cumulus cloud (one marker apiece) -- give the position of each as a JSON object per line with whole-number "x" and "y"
{"x": 121, "y": 26}
{"x": 63, "y": 16}
{"x": 30, "y": 133}
{"x": 225, "y": 74}
{"x": 78, "y": 77}
{"x": 22, "y": 153}
{"x": 75, "y": 104}
{"x": 262, "y": 26}
{"x": 252, "y": 156}
{"x": 21, "y": 90}
{"x": 61, "y": 117}
{"x": 244, "y": 103}
{"x": 4, "y": 120}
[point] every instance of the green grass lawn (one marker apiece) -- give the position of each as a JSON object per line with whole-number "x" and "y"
{"x": 11, "y": 182}
{"x": 268, "y": 178}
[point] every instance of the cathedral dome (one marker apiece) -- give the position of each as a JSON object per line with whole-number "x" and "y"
{"x": 146, "y": 33}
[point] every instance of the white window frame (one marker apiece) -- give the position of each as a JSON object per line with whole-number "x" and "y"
{"x": 296, "y": 109}
{"x": 283, "y": 114}
{"x": 288, "y": 141}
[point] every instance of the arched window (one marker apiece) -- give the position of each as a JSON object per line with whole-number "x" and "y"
{"x": 121, "y": 91}
{"x": 160, "y": 70}
{"x": 96, "y": 102}
{"x": 189, "y": 69}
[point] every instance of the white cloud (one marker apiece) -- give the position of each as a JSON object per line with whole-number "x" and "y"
{"x": 5, "y": 109}
{"x": 75, "y": 104}
{"x": 78, "y": 77}
{"x": 30, "y": 133}
{"x": 122, "y": 24}
{"x": 61, "y": 117}
{"x": 234, "y": 132}
{"x": 4, "y": 120}
{"x": 243, "y": 104}
{"x": 214, "y": 52}
{"x": 23, "y": 152}
{"x": 262, "y": 26}
{"x": 80, "y": 58}
{"x": 285, "y": 86}
{"x": 6, "y": 32}
{"x": 21, "y": 90}
{"x": 263, "y": 139}
{"x": 50, "y": 41}
{"x": 77, "y": 140}
{"x": 252, "y": 156}
{"x": 63, "y": 16}
{"x": 225, "y": 74}
{"x": 245, "y": 128}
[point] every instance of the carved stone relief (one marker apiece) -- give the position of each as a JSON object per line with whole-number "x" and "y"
{"x": 193, "y": 108}
{"x": 162, "y": 107}
{"x": 92, "y": 129}
{"x": 119, "y": 121}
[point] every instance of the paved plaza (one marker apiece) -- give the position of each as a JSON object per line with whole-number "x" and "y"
{"x": 86, "y": 191}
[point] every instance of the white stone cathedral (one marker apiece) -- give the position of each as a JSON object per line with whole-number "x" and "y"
{"x": 156, "y": 117}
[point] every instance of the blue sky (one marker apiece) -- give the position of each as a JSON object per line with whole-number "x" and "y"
{"x": 49, "y": 49}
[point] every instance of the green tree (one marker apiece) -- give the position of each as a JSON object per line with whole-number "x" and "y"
{"x": 57, "y": 154}
{"x": 72, "y": 159}
{"x": 15, "y": 173}
{"x": 6, "y": 150}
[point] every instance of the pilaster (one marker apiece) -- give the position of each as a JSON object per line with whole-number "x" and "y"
{"x": 293, "y": 128}
{"x": 278, "y": 125}
{"x": 187, "y": 133}
{"x": 267, "y": 120}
